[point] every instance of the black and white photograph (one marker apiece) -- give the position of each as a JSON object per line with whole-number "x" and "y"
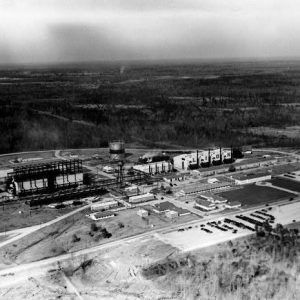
{"x": 149, "y": 149}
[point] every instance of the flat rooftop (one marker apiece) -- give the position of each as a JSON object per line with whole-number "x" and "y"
{"x": 205, "y": 203}
{"x": 211, "y": 195}
{"x": 246, "y": 176}
{"x": 166, "y": 205}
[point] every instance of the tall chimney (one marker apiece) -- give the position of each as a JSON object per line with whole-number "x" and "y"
{"x": 221, "y": 155}
{"x": 197, "y": 159}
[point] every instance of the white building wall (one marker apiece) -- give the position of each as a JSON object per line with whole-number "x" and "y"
{"x": 39, "y": 183}
{"x": 182, "y": 162}
{"x": 104, "y": 205}
{"x": 27, "y": 185}
{"x": 152, "y": 168}
{"x": 141, "y": 198}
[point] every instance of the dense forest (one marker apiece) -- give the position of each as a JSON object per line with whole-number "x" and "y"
{"x": 265, "y": 266}
{"x": 161, "y": 105}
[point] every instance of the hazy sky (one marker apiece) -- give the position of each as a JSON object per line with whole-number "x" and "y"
{"x": 84, "y": 30}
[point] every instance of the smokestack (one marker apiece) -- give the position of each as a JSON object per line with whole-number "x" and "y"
{"x": 209, "y": 159}
{"x": 221, "y": 155}
{"x": 197, "y": 159}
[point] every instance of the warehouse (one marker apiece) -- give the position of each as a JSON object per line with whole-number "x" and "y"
{"x": 154, "y": 168}
{"x": 212, "y": 198}
{"x": 166, "y": 206}
{"x": 172, "y": 214}
{"x": 200, "y": 188}
{"x": 249, "y": 178}
{"x": 205, "y": 205}
{"x": 170, "y": 178}
{"x": 233, "y": 204}
{"x": 132, "y": 190}
{"x": 141, "y": 198}
{"x": 104, "y": 205}
{"x": 101, "y": 215}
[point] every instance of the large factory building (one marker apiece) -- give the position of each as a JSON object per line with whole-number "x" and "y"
{"x": 46, "y": 176}
{"x": 202, "y": 158}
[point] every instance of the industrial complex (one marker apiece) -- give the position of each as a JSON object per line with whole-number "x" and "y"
{"x": 196, "y": 177}
{"x": 74, "y": 203}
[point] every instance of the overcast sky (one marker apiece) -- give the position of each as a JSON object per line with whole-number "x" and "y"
{"x": 34, "y": 31}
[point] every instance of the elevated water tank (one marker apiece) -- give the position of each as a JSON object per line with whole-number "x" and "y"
{"x": 117, "y": 150}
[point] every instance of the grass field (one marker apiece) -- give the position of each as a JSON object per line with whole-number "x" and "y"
{"x": 20, "y": 215}
{"x": 253, "y": 194}
{"x": 286, "y": 184}
{"x": 59, "y": 237}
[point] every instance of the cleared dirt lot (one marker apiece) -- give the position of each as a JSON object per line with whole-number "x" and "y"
{"x": 111, "y": 274}
{"x": 254, "y": 194}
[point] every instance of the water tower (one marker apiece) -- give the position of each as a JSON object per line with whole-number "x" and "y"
{"x": 117, "y": 150}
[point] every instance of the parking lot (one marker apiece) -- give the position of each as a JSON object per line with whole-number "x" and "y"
{"x": 205, "y": 234}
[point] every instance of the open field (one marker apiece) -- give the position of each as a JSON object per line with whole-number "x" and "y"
{"x": 75, "y": 233}
{"x": 254, "y": 194}
{"x": 286, "y": 184}
{"x": 19, "y": 215}
{"x": 5, "y": 159}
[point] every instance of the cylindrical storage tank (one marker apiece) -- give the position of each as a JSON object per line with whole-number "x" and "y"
{"x": 117, "y": 150}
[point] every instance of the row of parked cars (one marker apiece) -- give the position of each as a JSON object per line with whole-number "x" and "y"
{"x": 258, "y": 218}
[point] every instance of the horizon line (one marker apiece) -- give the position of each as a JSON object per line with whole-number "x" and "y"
{"x": 151, "y": 61}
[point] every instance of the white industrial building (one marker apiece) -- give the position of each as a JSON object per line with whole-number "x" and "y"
{"x": 142, "y": 213}
{"x": 212, "y": 198}
{"x": 154, "y": 168}
{"x": 233, "y": 204}
{"x": 101, "y": 215}
{"x": 141, "y": 198}
{"x": 205, "y": 204}
{"x": 240, "y": 179}
{"x": 104, "y": 205}
{"x": 183, "y": 161}
{"x": 171, "y": 214}
{"x": 132, "y": 190}
{"x": 197, "y": 188}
